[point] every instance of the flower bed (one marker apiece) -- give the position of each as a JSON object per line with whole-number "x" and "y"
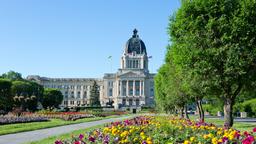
{"x": 11, "y": 119}
{"x": 68, "y": 116}
{"x": 160, "y": 130}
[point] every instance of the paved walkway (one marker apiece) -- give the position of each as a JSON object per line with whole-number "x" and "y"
{"x": 25, "y": 137}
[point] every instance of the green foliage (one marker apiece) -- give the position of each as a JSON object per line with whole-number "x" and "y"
{"x": 26, "y": 94}
{"x": 52, "y": 98}
{"x": 213, "y": 48}
{"x": 95, "y": 95}
{"x": 12, "y": 75}
{"x": 212, "y": 109}
{"x": 249, "y": 107}
{"x": 5, "y": 94}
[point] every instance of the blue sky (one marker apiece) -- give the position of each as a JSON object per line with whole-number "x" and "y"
{"x": 73, "y": 38}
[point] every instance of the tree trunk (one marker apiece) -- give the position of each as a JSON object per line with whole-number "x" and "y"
{"x": 228, "y": 114}
{"x": 186, "y": 112}
{"x": 200, "y": 110}
{"x": 181, "y": 112}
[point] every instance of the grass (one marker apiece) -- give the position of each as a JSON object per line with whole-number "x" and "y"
{"x": 22, "y": 127}
{"x": 52, "y": 139}
{"x": 242, "y": 126}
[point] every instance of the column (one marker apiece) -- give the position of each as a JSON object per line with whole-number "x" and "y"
{"x": 143, "y": 88}
{"x": 121, "y": 87}
{"x": 133, "y": 88}
{"x": 140, "y": 87}
{"x": 127, "y": 88}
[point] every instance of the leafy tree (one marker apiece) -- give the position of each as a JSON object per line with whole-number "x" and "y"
{"x": 52, "y": 98}
{"x": 162, "y": 102}
{"x": 5, "y": 94}
{"x": 94, "y": 95}
{"x": 22, "y": 94}
{"x": 12, "y": 75}
{"x": 215, "y": 42}
{"x": 170, "y": 91}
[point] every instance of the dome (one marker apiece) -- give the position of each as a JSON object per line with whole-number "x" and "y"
{"x": 135, "y": 44}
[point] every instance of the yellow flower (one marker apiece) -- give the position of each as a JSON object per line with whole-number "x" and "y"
{"x": 215, "y": 141}
{"x": 210, "y": 135}
{"x": 186, "y": 142}
{"x": 205, "y": 136}
{"x": 135, "y": 139}
{"x": 192, "y": 139}
{"x": 149, "y": 139}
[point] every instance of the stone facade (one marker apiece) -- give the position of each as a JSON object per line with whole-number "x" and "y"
{"x": 132, "y": 86}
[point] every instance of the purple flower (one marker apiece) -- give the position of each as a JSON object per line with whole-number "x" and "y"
{"x": 81, "y": 136}
{"x": 91, "y": 139}
{"x": 58, "y": 142}
{"x": 224, "y": 139}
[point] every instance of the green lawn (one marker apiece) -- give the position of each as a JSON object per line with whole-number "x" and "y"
{"x": 242, "y": 126}
{"x": 22, "y": 127}
{"x": 52, "y": 139}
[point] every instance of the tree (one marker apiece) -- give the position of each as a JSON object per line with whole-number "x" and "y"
{"x": 52, "y": 98}
{"x": 95, "y": 95}
{"x": 5, "y": 94}
{"x": 162, "y": 102}
{"x": 12, "y": 75}
{"x": 215, "y": 41}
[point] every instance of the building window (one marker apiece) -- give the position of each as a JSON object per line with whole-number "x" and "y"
{"x": 137, "y": 88}
{"x": 151, "y": 92}
{"x": 124, "y": 102}
{"x": 65, "y": 102}
{"x": 85, "y": 94}
{"x": 110, "y": 92}
{"x": 136, "y": 64}
{"x": 66, "y": 94}
{"x": 72, "y": 94}
{"x": 110, "y": 84}
{"x": 130, "y": 84}
{"x": 130, "y": 102}
{"x": 137, "y": 102}
{"x": 78, "y": 94}
{"x": 124, "y": 88}
{"x": 71, "y": 102}
{"x": 78, "y": 103}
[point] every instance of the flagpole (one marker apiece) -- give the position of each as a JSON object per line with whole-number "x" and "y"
{"x": 110, "y": 58}
{"x": 150, "y": 57}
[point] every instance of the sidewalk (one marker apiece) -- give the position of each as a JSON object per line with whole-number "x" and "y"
{"x": 25, "y": 137}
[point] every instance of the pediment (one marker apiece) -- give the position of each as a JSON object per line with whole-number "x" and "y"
{"x": 131, "y": 74}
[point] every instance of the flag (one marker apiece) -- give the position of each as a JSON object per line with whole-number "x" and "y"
{"x": 149, "y": 57}
{"x": 109, "y": 57}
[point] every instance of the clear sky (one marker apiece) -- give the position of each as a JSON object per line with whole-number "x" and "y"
{"x": 73, "y": 38}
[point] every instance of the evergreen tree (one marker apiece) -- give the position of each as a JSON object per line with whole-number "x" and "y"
{"x": 94, "y": 95}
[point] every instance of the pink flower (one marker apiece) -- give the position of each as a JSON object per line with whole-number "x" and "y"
{"x": 254, "y": 129}
{"x": 76, "y": 142}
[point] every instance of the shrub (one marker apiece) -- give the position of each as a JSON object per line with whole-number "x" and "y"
{"x": 249, "y": 106}
{"x": 211, "y": 109}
